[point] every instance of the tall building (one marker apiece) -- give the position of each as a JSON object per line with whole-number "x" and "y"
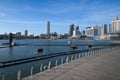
{"x": 115, "y": 26}
{"x": 48, "y": 29}
{"x": 77, "y": 28}
{"x": 83, "y": 32}
{"x": 93, "y": 31}
{"x": 76, "y": 32}
{"x": 71, "y": 29}
{"x": 104, "y": 29}
{"x": 26, "y": 33}
{"x": 110, "y": 30}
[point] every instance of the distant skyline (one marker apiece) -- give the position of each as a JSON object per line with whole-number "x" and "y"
{"x": 32, "y": 15}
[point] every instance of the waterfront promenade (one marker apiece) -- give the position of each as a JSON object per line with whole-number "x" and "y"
{"x": 101, "y": 66}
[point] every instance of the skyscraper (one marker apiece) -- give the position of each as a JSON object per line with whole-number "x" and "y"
{"x": 93, "y": 31}
{"x": 48, "y": 29}
{"x": 104, "y": 29}
{"x": 110, "y": 30}
{"x": 115, "y": 26}
{"x": 26, "y": 33}
{"x": 71, "y": 29}
{"x": 76, "y": 32}
{"x": 77, "y": 28}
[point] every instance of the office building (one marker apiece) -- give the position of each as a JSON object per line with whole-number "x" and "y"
{"x": 104, "y": 29}
{"x": 115, "y": 26}
{"x": 93, "y": 31}
{"x": 83, "y": 32}
{"x": 48, "y": 29}
{"x": 110, "y": 30}
{"x": 26, "y": 33}
{"x": 71, "y": 29}
{"x": 76, "y": 32}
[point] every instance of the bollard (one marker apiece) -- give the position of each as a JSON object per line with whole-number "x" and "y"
{"x": 41, "y": 67}
{"x": 56, "y": 62}
{"x": 19, "y": 74}
{"x": 49, "y": 65}
{"x": 3, "y": 77}
{"x": 31, "y": 70}
{"x": 62, "y": 61}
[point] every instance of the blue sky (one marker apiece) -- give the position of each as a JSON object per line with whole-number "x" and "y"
{"x": 19, "y": 15}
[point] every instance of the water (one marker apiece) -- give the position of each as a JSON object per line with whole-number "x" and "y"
{"x": 24, "y": 51}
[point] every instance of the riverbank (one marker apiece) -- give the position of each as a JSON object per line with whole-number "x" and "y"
{"x": 102, "y": 66}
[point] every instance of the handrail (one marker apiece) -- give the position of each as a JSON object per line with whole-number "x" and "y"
{"x": 31, "y": 59}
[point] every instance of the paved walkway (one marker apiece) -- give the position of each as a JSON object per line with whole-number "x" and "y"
{"x": 104, "y": 66}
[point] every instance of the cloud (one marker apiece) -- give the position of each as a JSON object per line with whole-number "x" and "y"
{"x": 35, "y": 22}
{"x": 21, "y": 22}
{"x": 2, "y": 14}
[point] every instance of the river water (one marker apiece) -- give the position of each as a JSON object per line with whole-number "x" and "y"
{"x": 27, "y": 49}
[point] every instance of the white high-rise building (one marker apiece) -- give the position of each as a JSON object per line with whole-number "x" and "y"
{"x": 115, "y": 26}
{"x": 93, "y": 31}
{"x": 76, "y": 32}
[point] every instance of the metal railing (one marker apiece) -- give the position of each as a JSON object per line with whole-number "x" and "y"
{"x": 19, "y": 74}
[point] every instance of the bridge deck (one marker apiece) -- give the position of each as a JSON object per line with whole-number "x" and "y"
{"x": 104, "y": 66}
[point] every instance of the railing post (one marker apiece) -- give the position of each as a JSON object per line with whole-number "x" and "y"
{"x": 41, "y": 67}
{"x": 79, "y": 55}
{"x": 84, "y": 54}
{"x": 31, "y": 70}
{"x": 18, "y": 75}
{"x": 3, "y": 77}
{"x": 56, "y": 62}
{"x": 71, "y": 57}
{"x": 44, "y": 67}
{"x": 92, "y": 52}
{"x": 49, "y": 65}
{"x": 76, "y": 56}
{"x": 67, "y": 59}
{"x": 62, "y": 61}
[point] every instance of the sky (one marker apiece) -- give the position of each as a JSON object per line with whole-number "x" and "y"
{"x": 32, "y": 15}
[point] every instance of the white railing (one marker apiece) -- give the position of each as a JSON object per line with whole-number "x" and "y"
{"x": 50, "y": 64}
